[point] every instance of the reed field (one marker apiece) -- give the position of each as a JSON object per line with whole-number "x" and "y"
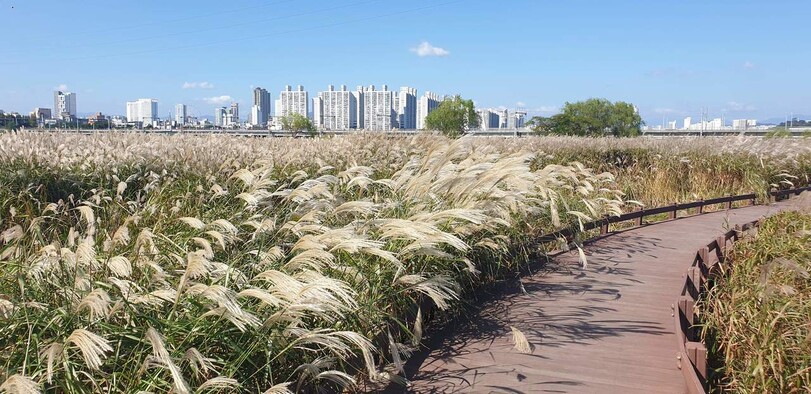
{"x": 758, "y": 316}
{"x": 143, "y": 263}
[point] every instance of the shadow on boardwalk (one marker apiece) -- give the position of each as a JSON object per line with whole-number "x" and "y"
{"x": 605, "y": 328}
{"x": 489, "y": 323}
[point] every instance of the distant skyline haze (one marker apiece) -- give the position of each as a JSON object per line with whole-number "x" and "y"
{"x": 737, "y": 59}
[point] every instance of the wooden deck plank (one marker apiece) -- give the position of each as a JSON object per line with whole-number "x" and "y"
{"x": 606, "y": 328}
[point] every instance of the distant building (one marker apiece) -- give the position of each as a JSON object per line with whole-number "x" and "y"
{"x": 97, "y": 118}
{"x": 142, "y": 111}
{"x": 425, "y": 105}
{"x": 671, "y": 125}
{"x": 261, "y": 98}
{"x": 688, "y": 121}
{"x": 64, "y": 105}
{"x": 181, "y": 114}
{"x": 407, "y": 109}
{"x": 219, "y": 116}
{"x": 378, "y": 109}
{"x": 40, "y": 114}
{"x": 335, "y": 109}
{"x": 233, "y": 115}
{"x": 292, "y": 102}
{"x": 258, "y": 117}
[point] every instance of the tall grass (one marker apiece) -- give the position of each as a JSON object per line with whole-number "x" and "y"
{"x": 758, "y": 317}
{"x": 188, "y": 273}
{"x": 131, "y": 262}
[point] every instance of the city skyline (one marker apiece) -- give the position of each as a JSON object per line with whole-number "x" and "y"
{"x": 738, "y": 59}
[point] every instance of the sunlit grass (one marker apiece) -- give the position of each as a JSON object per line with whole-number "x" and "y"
{"x": 133, "y": 262}
{"x": 759, "y": 316}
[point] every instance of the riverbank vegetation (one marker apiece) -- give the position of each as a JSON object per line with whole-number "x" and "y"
{"x": 758, "y": 317}
{"x": 134, "y": 262}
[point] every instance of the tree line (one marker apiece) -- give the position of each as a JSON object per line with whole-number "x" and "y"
{"x": 590, "y": 118}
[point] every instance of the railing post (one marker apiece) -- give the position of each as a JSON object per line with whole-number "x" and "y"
{"x": 701, "y": 207}
{"x": 672, "y": 214}
{"x": 729, "y": 204}
{"x": 697, "y": 353}
{"x": 638, "y": 220}
{"x": 704, "y": 254}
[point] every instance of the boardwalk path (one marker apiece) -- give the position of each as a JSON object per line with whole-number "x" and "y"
{"x": 607, "y": 328}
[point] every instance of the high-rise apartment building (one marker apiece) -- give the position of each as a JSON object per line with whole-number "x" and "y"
{"x": 261, "y": 98}
{"x": 180, "y": 114}
{"x": 292, "y": 102}
{"x": 64, "y": 105}
{"x": 233, "y": 113}
{"x": 220, "y": 116}
{"x": 688, "y": 121}
{"x": 489, "y": 119}
{"x": 378, "y": 109}
{"x": 407, "y": 109}
{"x": 426, "y": 104}
{"x": 359, "y": 110}
{"x": 335, "y": 109}
{"x": 143, "y": 111}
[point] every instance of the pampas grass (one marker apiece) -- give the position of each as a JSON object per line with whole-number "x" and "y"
{"x": 146, "y": 263}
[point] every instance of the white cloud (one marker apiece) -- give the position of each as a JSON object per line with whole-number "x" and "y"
{"x": 197, "y": 85}
{"x": 219, "y": 100}
{"x": 547, "y": 109}
{"x": 666, "y": 111}
{"x": 425, "y": 49}
{"x": 747, "y": 65}
{"x": 734, "y": 106}
{"x": 62, "y": 87}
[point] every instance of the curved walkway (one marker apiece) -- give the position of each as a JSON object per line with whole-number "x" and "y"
{"x": 605, "y": 329}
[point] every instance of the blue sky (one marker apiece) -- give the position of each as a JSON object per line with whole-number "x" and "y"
{"x": 742, "y": 59}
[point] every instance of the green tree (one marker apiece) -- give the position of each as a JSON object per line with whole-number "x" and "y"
{"x": 453, "y": 117}
{"x": 597, "y": 118}
{"x": 297, "y": 123}
{"x": 540, "y": 124}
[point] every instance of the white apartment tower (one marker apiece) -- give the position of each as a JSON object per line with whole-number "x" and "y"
{"x": 358, "y": 95}
{"x": 292, "y": 102}
{"x": 688, "y": 121}
{"x": 220, "y": 116}
{"x": 318, "y": 109}
{"x": 64, "y": 105}
{"x": 407, "y": 109}
{"x": 426, "y": 104}
{"x": 180, "y": 114}
{"x": 144, "y": 111}
{"x": 378, "y": 109}
{"x": 336, "y": 109}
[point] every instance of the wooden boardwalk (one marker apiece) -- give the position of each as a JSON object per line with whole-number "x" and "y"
{"x": 605, "y": 329}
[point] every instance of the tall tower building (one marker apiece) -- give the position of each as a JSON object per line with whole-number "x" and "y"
{"x": 144, "y": 111}
{"x": 338, "y": 109}
{"x": 378, "y": 109}
{"x": 64, "y": 105}
{"x": 426, "y": 104}
{"x": 407, "y": 109}
{"x": 219, "y": 116}
{"x": 180, "y": 114}
{"x": 359, "y": 110}
{"x": 261, "y": 98}
{"x": 234, "y": 113}
{"x": 292, "y": 102}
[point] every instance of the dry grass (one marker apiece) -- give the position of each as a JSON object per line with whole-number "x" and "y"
{"x": 146, "y": 263}
{"x": 759, "y": 317}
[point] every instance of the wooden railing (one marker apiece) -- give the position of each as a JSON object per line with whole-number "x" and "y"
{"x": 691, "y": 351}
{"x": 691, "y": 356}
{"x": 671, "y": 211}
